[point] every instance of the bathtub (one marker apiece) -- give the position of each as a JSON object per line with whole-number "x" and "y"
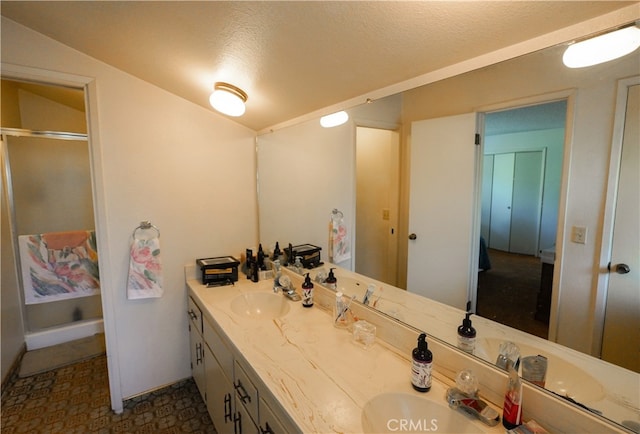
{"x": 60, "y": 334}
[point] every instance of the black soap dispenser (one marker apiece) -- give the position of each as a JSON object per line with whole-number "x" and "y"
{"x": 277, "y": 253}
{"x": 421, "y": 365}
{"x": 307, "y": 291}
{"x": 466, "y": 333}
{"x": 331, "y": 280}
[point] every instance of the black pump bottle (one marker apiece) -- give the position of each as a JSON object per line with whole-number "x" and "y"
{"x": 421, "y": 365}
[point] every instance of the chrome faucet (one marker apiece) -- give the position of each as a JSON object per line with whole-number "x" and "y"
{"x": 464, "y": 397}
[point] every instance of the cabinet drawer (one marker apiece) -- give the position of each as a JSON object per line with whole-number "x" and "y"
{"x": 195, "y": 315}
{"x": 246, "y": 392}
{"x": 219, "y": 348}
{"x": 269, "y": 423}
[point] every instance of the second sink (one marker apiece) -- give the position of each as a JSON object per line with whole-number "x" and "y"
{"x": 260, "y": 305}
{"x": 404, "y": 412}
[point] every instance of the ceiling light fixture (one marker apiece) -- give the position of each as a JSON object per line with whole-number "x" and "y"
{"x": 602, "y": 48}
{"x": 334, "y": 119}
{"x": 228, "y": 99}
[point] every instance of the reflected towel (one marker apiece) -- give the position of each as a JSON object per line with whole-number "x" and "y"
{"x": 145, "y": 269}
{"x": 339, "y": 243}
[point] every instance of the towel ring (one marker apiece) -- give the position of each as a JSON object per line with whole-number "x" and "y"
{"x": 144, "y": 226}
{"x": 336, "y": 214}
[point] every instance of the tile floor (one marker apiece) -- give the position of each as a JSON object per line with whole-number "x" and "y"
{"x": 75, "y": 400}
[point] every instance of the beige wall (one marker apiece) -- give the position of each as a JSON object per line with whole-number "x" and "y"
{"x": 154, "y": 157}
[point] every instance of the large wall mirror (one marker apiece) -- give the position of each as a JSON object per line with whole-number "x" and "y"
{"x": 419, "y": 178}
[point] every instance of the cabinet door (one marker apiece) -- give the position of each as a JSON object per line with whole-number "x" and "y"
{"x": 220, "y": 394}
{"x": 243, "y": 422}
{"x": 197, "y": 359}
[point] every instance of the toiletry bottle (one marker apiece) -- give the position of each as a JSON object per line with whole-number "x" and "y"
{"x": 260, "y": 258}
{"x": 307, "y": 292}
{"x": 367, "y": 295}
{"x": 254, "y": 271}
{"x": 421, "y": 365}
{"x": 341, "y": 312}
{"x": 512, "y": 408}
{"x": 466, "y": 333}
{"x": 331, "y": 280}
{"x": 246, "y": 267}
{"x": 276, "y": 252}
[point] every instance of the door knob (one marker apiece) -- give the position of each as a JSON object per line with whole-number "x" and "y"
{"x": 413, "y": 236}
{"x": 622, "y": 269}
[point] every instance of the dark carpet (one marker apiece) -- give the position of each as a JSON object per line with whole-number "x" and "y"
{"x": 507, "y": 293}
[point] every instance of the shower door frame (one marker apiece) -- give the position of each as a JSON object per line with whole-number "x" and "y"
{"x": 8, "y": 180}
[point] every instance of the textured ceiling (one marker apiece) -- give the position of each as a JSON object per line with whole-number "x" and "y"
{"x": 295, "y": 57}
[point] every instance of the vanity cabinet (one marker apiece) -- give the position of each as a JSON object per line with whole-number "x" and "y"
{"x": 196, "y": 345}
{"x": 236, "y": 399}
{"x": 219, "y": 378}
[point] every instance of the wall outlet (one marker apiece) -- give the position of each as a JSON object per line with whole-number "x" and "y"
{"x": 579, "y": 234}
{"x": 385, "y": 214}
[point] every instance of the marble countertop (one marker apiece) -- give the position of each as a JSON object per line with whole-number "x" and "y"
{"x": 590, "y": 381}
{"x": 314, "y": 370}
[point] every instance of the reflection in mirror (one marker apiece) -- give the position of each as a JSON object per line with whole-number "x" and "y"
{"x": 325, "y": 160}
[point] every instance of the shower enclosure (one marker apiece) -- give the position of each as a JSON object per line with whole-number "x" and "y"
{"x": 48, "y": 207}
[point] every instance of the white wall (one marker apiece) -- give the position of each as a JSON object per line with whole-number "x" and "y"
{"x": 155, "y": 157}
{"x": 305, "y": 171}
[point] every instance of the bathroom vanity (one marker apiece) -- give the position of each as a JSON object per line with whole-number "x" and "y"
{"x": 266, "y": 364}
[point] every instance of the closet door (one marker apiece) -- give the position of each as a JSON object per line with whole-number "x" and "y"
{"x": 501, "y": 197}
{"x": 526, "y": 204}
{"x": 487, "y": 185}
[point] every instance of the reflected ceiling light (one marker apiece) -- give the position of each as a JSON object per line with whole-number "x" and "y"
{"x": 228, "y": 99}
{"x": 602, "y": 48}
{"x": 334, "y": 119}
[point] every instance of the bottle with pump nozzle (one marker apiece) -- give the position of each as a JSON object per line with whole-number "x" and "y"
{"x": 422, "y": 365}
{"x": 307, "y": 291}
{"x": 331, "y": 280}
{"x": 466, "y": 333}
{"x": 260, "y": 258}
{"x": 276, "y": 252}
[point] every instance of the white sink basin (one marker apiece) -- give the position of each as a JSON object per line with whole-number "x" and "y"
{"x": 407, "y": 413}
{"x": 563, "y": 377}
{"x": 260, "y": 305}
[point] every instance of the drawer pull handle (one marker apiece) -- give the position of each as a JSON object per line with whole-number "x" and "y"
{"x": 199, "y": 353}
{"x": 266, "y": 430}
{"x": 237, "y": 423}
{"x": 228, "y": 417}
{"x": 192, "y": 314}
{"x": 242, "y": 393}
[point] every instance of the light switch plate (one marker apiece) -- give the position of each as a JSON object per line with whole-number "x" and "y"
{"x": 579, "y": 234}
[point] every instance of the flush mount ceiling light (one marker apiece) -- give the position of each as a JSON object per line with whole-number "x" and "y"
{"x": 228, "y": 99}
{"x": 602, "y": 48}
{"x": 334, "y": 119}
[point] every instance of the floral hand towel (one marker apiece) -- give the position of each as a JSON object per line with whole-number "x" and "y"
{"x": 339, "y": 243}
{"x": 145, "y": 269}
